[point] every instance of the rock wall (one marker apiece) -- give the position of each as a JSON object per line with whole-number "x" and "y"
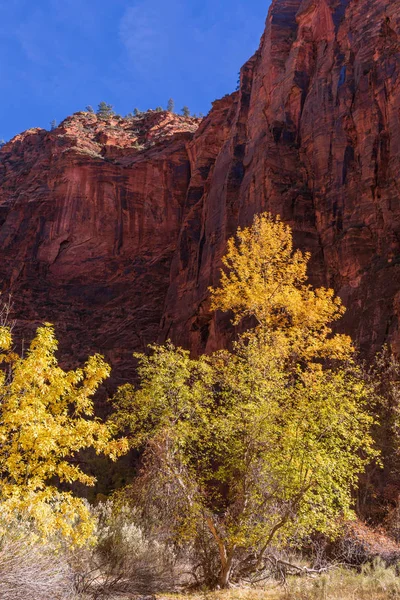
{"x": 314, "y": 135}
{"x": 89, "y": 219}
{"x": 114, "y": 230}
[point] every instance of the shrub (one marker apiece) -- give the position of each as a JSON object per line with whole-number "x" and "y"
{"x": 125, "y": 559}
{"x": 29, "y": 569}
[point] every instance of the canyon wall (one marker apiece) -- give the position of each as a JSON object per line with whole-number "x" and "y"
{"x": 114, "y": 230}
{"x": 314, "y": 135}
{"x": 90, "y": 214}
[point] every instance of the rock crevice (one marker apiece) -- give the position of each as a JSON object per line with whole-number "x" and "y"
{"x": 114, "y": 229}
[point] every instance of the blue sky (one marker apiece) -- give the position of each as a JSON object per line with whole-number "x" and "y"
{"x": 60, "y": 55}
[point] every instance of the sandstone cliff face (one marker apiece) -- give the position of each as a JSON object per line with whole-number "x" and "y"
{"x": 314, "y": 135}
{"x": 115, "y": 230}
{"x": 90, "y": 215}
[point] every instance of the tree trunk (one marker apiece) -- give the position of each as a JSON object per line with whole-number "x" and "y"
{"x": 226, "y": 556}
{"x": 225, "y": 573}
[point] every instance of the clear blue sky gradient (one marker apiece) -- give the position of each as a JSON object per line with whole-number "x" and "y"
{"x": 60, "y": 55}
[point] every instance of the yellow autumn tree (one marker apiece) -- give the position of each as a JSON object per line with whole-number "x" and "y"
{"x": 266, "y": 279}
{"x": 250, "y": 449}
{"x": 46, "y": 418}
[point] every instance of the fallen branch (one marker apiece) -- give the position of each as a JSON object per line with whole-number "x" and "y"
{"x": 278, "y": 562}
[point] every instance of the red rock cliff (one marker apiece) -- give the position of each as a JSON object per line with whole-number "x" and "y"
{"x": 314, "y": 135}
{"x": 114, "y": 230}
{"x": 90, "y": 216}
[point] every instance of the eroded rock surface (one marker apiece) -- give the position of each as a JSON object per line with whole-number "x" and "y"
{"x": 90, "y": 216}
{"x": 114, "y": 230}
{"x": 314, "y": 135}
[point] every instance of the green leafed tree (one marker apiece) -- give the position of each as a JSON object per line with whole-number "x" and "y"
{"x": 252, "y": 448}
{"x": 105, "y": 110}
{"x": 186, "y": 111}
{"x": 238, "y": 82}
{"x": 171, "y": 105}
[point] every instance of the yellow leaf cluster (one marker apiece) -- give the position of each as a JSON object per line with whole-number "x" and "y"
{"x": 46, "y": 419}
{"x": 264, "y": 278}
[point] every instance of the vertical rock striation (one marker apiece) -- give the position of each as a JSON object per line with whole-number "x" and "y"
{"x": 114, "y": 230}
{"x": 89, "y": 219}
{"x": 314, "y": 135}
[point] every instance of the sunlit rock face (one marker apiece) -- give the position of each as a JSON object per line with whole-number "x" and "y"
{"x": 313, "y": 135}
{"x": 90, "y": 215}
{"x": 114, "y": 230}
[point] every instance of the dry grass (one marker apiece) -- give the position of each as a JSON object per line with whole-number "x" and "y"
{"x": 373, "y": 583}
